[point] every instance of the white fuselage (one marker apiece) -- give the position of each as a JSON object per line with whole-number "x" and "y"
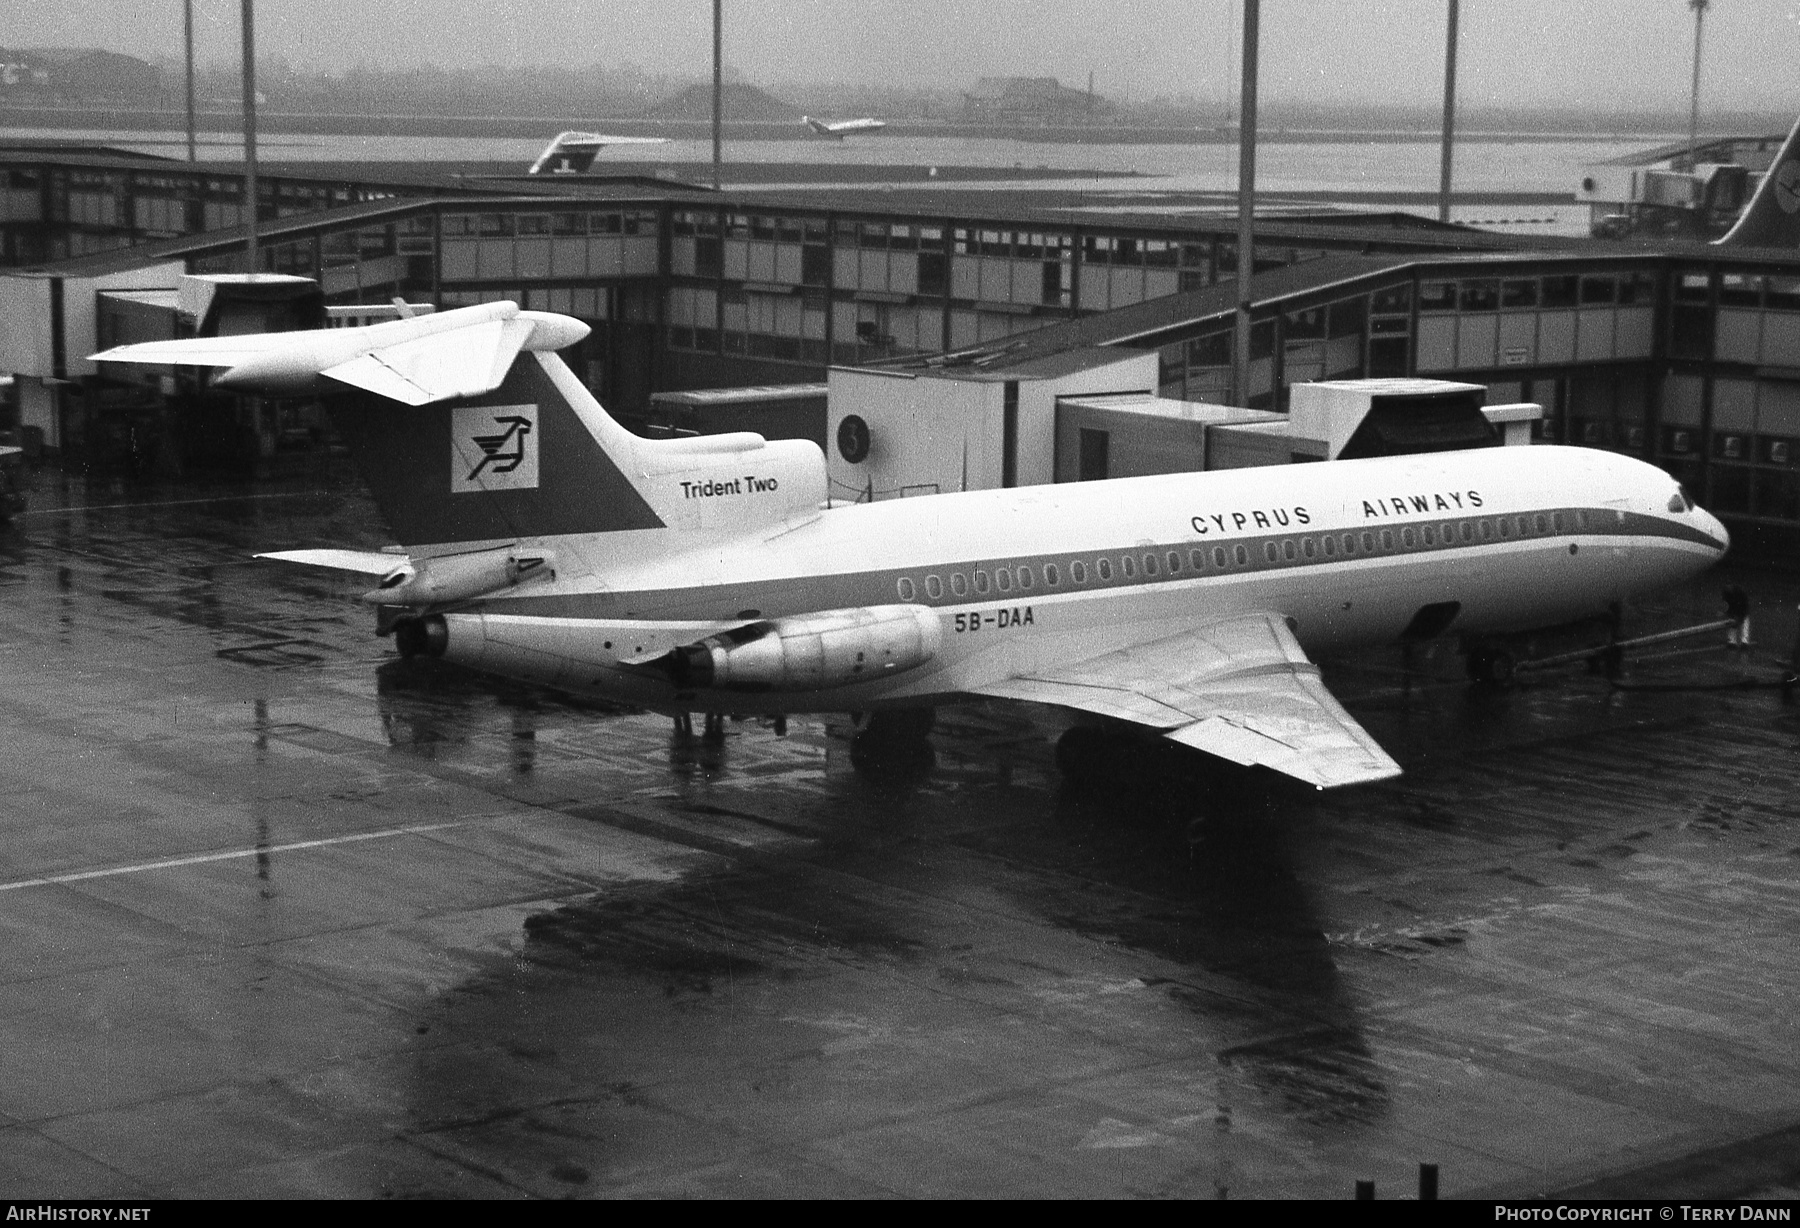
{"x": 1349, "y": 552}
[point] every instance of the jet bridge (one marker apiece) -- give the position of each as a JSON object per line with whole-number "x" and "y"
{"x": 1134, "y": 435}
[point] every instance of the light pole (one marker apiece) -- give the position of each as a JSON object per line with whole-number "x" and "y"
{"x": 1699, "y": 7}
{"x": 1246, "y": 252}
{"x": 718, "y": 88}
{"x": 187, "y": 29}
{"x": 1449, "y": 117}
{"x": 250, "y": 186}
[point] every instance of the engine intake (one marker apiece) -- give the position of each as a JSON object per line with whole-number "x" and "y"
{"x": 808, "y": 652}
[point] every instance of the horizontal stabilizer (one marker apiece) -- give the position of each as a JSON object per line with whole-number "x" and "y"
{"x": 465, "y": 363}
{"x": 362, "y": 562}
{"x": 196, "y": 351}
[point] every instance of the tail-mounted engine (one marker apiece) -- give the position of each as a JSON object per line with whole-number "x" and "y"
{"x": 460, "y": 577}
{"x": 808, "y": 652}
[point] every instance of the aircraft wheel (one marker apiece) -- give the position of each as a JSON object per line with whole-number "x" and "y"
{"x": 1491, "y": 665}
{"x": 894, "y": 742}
{"x": 1500, "y": 667}
{"x": 409, "y": 638}
{"x": 1081, "y": 753}
{"x": 420, "y": 637}
{"x": 900, "y": 724}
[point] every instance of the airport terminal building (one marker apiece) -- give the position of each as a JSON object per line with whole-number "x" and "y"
{"x": 1679, "y": 353}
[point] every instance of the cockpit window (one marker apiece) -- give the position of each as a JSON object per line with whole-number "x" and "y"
{"x": 1679, "y": 501}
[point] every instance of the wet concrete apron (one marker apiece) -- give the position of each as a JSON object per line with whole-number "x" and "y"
{"x": 283, "y": 915}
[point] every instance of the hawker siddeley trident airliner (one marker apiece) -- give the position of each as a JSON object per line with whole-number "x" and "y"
{"x": 544, "y": 542}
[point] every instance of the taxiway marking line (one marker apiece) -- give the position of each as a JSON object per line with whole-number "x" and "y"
{"x": 199, "y": 858}
{"x": 107, "y": 507}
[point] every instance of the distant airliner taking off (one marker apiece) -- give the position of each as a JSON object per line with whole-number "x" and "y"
{"x": 572, "y": 153}
{"x": 843, "y": 127}
{"x": 547, "y": 543}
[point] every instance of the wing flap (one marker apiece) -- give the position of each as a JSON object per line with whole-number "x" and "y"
{"x": 440, "y": 366}
{"x": 1240, "y": 688}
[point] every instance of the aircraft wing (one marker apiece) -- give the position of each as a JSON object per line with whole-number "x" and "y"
{"x": 1240, "y": 688}
{"x": 195, "y": 351}
{"x": 437, "y": 367}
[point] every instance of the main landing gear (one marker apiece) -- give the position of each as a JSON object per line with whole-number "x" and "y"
{"x": 1492, "y": 664}
{"x": 893, "y": 739}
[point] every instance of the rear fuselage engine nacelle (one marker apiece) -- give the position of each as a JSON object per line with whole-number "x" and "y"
{"x": 460, "y": 577}
{"x": 808, "y": 652}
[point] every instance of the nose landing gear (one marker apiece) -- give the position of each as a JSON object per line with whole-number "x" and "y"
{"x": 1490, "y": 664}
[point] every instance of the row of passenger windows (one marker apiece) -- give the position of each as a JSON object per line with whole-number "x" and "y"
{"x": 982, "y": 582}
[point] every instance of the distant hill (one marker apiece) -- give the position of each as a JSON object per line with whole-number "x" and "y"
{"x": 737, "y": 101}
{"x": 74, "y": 73}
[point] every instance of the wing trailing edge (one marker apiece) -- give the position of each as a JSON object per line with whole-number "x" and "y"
{"x": 1240, "y": 688}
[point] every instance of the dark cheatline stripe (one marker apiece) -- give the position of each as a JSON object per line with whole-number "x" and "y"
{"x": 842, "y": 590}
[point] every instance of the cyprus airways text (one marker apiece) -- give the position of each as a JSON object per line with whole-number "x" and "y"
{"x": 1374, "y": 508}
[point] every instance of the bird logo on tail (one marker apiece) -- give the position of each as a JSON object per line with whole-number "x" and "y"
{"x": 493, "y": 447}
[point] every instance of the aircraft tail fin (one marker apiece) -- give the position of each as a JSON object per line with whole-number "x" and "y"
{"x": 1772, "y": 218}
{"x": 817, "y": 126}
{"x": 521, "y": 461}
{"x": 539, "y": 457}
{"x": 571, "y": 153}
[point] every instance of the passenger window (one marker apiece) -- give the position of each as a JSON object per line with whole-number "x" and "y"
{"x": 1078, "y": 572}
{"x": 1149, "y": 564}
{"x": 1308, "y": 547}
{"x": 1243, "y": 556}
{"x": 1581, "y": 518}
{"x": 1427, "y": 535}
{"x": 1287, "y": 549}
{"x": 957, "y": 584}
{"x": 1104, "y": 567}
{"x": 1330, "y": 545}
{"x": 1197, "y": 557}
{"x": 1487, "y": 530}
{"x": 1387, "y": 539}
{"x": 1505, "y": 527}
{"x": 1269, "y": 552}
{"x": 981, "y": 581}
{"x": 905, "y": 587}
{"x": 934, "y": 588}
{"x": 1174, "y": 561}
{"x": 1406, "y": 538}
{"x": 1128, "y": 567}
{"x": 1466, "y": 531}
{"x": 1557, "y": 521}
{"x": 1003, "y": 578}
{"x": 1218, "y": 556}
{"x": 1538, "y": 522}
{"x": 1052, "y": 577}
{"x": 1024, "y": 577}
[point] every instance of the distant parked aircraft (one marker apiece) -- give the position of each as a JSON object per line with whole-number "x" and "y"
{"x": 571, "y": 153}
{"x": 843, "y": 127}
{"x": 1772, "y": 218}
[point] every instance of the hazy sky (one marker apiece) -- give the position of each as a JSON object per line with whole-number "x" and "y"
{"x": 1602, "y": 54}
